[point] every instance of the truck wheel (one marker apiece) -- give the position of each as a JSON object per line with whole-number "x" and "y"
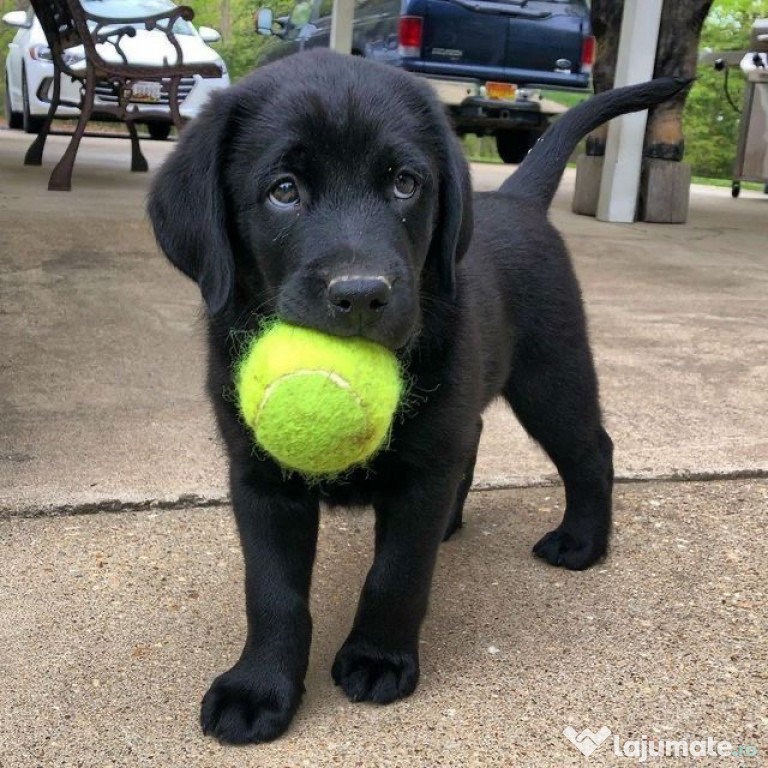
{"x": 513, "y": 146}
{"x": 159, "y": 131}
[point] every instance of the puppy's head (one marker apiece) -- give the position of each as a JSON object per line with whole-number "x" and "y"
{"x": 325, "y": 190}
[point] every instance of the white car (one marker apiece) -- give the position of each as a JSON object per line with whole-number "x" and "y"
{"x": 29, "y": 69}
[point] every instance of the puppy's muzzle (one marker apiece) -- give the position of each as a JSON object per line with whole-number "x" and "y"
{"x": 359, "y": 301}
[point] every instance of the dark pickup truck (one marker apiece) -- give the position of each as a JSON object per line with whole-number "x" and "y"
{"x": 487, "y": 59}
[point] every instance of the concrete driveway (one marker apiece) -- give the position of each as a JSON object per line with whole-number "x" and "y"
{"x": 113, "y": 624}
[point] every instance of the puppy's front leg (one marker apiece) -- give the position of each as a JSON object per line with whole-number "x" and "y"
{"x": 256, "y": 699}
{"x": 379, "y": 661}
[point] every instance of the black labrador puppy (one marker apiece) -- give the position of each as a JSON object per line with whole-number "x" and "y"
{"x": 329, "y": 191}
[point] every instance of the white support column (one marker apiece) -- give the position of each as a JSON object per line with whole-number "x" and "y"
{"x": 624, "y": 148}
{"x": 341, "y": 25}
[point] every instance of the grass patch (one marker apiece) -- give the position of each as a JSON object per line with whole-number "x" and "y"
{"x": 754, "y": 186}
{"x": 480, "y": 149}
{"x": 566, "y": 98}
{"x": 489, "y": 160}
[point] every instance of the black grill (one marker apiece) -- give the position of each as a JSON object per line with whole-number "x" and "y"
{"x": 107, "y": 91}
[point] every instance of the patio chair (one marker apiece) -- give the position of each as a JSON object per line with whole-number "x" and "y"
{"x": 66, "y": 25}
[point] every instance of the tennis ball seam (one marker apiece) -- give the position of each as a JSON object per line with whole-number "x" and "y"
{"x": 340, "y": 382}
{"x": 336, "y": 378}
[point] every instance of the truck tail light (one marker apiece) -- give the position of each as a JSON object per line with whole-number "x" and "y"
{"x": 409, "y": 35}
{"x": 588, "y": 55}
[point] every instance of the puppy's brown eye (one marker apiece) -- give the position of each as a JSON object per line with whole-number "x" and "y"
{"x": 284, "y": 194}
{"x": 405, "y": 186}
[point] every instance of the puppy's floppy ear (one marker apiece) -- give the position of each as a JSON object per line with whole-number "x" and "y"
{"x": 187, "y": 206}
{"x": 453, "y": 229}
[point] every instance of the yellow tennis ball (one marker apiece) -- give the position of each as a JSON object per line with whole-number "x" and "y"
{"x": 318, "y": 404}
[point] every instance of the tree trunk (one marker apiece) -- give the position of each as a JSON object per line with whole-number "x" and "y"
{"x": 225, "y": 20}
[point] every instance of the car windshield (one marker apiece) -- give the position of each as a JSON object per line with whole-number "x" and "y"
{"x": 127, "y": 9}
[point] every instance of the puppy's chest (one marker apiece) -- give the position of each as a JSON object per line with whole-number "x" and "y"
{"x": 352, "y": 492}
{"x": 360, "y": 487}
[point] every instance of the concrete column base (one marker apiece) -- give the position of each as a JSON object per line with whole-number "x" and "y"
{"x": 665, "y": 188}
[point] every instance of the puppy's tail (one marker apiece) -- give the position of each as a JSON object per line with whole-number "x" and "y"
{"x": 539, "y": 174}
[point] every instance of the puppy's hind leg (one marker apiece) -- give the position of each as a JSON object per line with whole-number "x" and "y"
{"x": 456, "y": 519}
{"x": 554, "y": 395}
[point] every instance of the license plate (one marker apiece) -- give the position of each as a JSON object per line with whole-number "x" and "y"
{"x": 146, "y": 93}
{"x": 501, "y": 91}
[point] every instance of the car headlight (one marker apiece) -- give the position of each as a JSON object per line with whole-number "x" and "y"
{"x": 43, "y": 53}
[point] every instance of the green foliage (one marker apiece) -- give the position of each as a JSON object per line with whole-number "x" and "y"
{"x": 242, "y": 48}
{"x": 482, "y": 148}
{"x": 236, "y": 48}
{"x": 711, "y": 125}
{"x": 6, "y": 35}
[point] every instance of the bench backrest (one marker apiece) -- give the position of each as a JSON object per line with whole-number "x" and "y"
{"x": 63, "y": 23}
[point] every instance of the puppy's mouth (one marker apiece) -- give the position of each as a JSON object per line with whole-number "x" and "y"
{"x": 374, "y": 308}
{"x": 372, "y": 331}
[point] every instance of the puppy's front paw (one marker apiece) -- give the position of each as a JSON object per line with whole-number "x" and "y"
{"x": 367, "y": 673}
{"x": 575, "y": 551}
{"x": 248, "y": 705}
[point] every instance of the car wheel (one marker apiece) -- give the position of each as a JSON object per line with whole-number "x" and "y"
{"x": 513, "y": 146}
{"x": 30, "y": 123}
{"x": 14, "y": 119}
{"x": 159, "y": 131}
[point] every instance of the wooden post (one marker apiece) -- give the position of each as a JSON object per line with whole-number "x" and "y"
{"x": 665, "y": 191}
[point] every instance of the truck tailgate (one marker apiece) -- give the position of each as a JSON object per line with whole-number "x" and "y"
{"x": 455, "y": 34}
{"x": 497, "y": 39}
{"x": 540, "y": 43}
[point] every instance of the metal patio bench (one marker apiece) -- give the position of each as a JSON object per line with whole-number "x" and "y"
{"x": 67, "y": 25}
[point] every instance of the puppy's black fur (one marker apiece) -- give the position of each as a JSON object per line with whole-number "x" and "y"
{"x": 376, "y": 186}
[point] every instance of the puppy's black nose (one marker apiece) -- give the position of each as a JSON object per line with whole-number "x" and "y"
{"x": 361, "y": 298}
